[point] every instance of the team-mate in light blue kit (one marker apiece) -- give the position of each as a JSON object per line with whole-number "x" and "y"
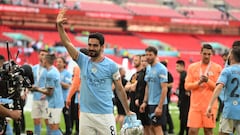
{"x": 53, "y": 91}
{"x": 40, "y": 104}
{"x": 97, "y": 75}
{"x": 230, "y": 79}
{"x": 66, "y": 79}
{"x": 156, "y": 90}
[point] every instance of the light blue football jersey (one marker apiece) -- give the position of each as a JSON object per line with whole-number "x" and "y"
{"x": 96, "y": 84}
{"x": 53, "y": 80}
{"x": 230, "y": 77}
{"x": 221, "y": 95}
{"x": 66, "y": 77}
{"x": 155, "y": 75}
{"x": 39, "y": 74}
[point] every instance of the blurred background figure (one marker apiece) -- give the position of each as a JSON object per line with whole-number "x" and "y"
{"x": 169, "y": 127}
{"x": 66, "y": 79}
{"x": 183, "y": 98}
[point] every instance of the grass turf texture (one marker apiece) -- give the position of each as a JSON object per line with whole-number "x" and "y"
{"x": 173, "y": 111}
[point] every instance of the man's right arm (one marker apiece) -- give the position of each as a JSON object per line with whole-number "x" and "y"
{"x": 63, "y": 35}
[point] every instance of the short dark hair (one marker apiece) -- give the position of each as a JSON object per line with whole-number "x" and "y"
{"x": 225, "y": 53}
{"x": 152, "y": 49}
{"x": 2, "y": 57}
{"x": 143, "y": 55}
{"x": 98, "y": 36}
{"x": 236, "y": 44}
{"x": 207, "y": 46}
{"x": 43, "y": 50}
{"x": 180, "y": 62}
{"x": 64, "y": 61}
{"x": 50, "y": 58}
{"x": 236, "y": 54}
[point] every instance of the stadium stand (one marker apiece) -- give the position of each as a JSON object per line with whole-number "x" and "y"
{"x": 181, "y": 42}
{"x": 235, "y": 14}
{"x": 125, "y": 41}
{"x": 201, "y": 13}
{"x": 130, "y": 25}
{"x": 225, "y": 40}
{"x": 102, "y": 7}
{"x": 196, "y": 3}
{"x": 233, "y": 3}
{"x": 150, "y": 10}
{"x": 153, "y": 2}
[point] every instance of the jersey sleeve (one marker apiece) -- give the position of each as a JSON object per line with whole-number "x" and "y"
{"x": 163, "y": 75}
{"x": 115, "y": 72}
{"x": 68, "y": 78}
{"x": 223, "y": 77}
{"x": 81, "y": 59}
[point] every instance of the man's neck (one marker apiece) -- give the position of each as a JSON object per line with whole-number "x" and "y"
{"x": 60, "y": 69}
{"x": 154, "y": 63}
{"x": 41, "y": 64}
{"x": 205, "y": 63}
{"x": 139, "y": 68}
{"x": 97, "y": 59}
{"x": 48, "y": 67}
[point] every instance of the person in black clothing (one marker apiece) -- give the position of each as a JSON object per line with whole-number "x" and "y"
{"x": 183, "y": 98}
{"x": 131, "y": 85}
{"x": 170, "y": 129}
{"x": 121, "y": 112}
{"x": 139, "y": 95}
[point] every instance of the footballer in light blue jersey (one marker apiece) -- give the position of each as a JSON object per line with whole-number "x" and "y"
{"x": 98, "y": 73}
{"x": 96, "y": 84}
{"x": 39, "y": 74}
{"x": 155, "y": 75}
{"x": 230, "y": 78}
{"x": 66, "y": 77}
{"x": 53, "y": 81}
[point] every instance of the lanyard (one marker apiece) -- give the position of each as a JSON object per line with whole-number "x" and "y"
{"x": 206, "y": 71}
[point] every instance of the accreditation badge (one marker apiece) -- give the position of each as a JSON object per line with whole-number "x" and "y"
{"x": 235, "y": 102}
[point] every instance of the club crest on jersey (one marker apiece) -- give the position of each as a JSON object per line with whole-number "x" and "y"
{"x": 94, "y": 69}
{"x": 235, "y": 102}
{"x": 210, "y": 73}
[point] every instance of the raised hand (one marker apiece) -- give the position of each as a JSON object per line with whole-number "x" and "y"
{"x": 60, "y": 18}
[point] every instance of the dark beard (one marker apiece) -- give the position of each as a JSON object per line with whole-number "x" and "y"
{"x": 136, "y": 66}
{"x": 150, "y": 62}
{"x": 93, "y": 54}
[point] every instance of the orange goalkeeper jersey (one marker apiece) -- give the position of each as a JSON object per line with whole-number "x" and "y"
{"x": 201, "y": 94}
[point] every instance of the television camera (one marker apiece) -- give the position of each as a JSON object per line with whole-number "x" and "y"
{"x": 14, "y": 80}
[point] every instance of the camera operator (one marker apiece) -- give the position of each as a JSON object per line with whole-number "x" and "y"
{"x": 5, "y": 112}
